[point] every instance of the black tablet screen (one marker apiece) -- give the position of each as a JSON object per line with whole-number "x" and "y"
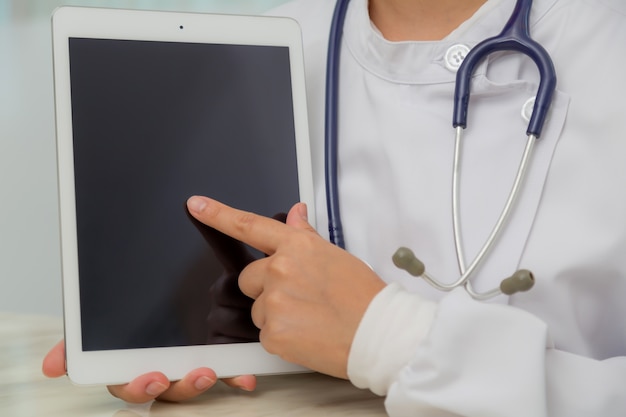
{"x": 154, "y": 123}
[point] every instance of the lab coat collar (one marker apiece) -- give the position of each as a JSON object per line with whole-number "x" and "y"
{"x": 411, "y": 62}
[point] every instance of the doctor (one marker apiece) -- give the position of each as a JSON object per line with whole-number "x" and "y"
{"x": 558, "y": 350}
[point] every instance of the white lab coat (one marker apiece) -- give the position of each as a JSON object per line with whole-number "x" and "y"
{"x": 558, "y": 350}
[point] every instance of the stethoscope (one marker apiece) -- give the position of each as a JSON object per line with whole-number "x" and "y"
{"x": 514, "y": 37}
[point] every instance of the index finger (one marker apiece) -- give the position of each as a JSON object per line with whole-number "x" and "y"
{"x": 231, "y": 253}
{"x": 262, "y": 233}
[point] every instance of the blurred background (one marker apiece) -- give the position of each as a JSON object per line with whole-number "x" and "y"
{"x": 30, "y": 270}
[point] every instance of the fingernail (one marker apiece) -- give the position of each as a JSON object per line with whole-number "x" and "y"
{"x": 196, "y": 204}
{"x": 203, "y": 383}
{"x": 303, "y": 211}
{"x": 154, "y": 389}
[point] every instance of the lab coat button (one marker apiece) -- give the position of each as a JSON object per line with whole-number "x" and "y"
{"x": 527, "y": 109}
{"x": 455, "y": 55}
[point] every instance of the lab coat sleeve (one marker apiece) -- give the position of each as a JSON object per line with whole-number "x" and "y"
{"x": 382, "y": 345}
{"x": 483, "y": 360}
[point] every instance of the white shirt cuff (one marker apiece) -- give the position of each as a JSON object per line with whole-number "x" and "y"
{"x": 394, "y": 324}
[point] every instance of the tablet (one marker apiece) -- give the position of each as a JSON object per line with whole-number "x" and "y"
{"x": 152, "y": 108}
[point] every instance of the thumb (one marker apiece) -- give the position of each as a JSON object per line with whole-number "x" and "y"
{"x": 298, "y": 217}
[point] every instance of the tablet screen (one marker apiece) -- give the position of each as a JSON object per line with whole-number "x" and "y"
{"x": 154, "y": 123}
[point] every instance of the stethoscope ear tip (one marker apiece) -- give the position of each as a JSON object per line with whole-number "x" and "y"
{"x": 404, "y": 258}
{"x": 521, "y": 280}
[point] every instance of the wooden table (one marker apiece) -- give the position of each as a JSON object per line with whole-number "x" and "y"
{"x": 25, "y": 392}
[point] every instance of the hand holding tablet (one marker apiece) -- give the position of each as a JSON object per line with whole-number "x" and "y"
{"x": 153, "y": 385}
{"x": 307, "y": 310}
{"x": 153, "y": 107}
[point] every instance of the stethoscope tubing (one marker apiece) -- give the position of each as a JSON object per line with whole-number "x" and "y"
{"x": 331, "y": 127}
{"x": 514, "y": 37}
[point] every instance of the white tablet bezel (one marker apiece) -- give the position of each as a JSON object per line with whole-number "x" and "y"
{"x": 119, "y": 366}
